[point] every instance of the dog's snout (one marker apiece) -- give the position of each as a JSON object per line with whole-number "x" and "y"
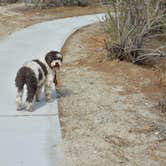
{"x": 57, "y": 64}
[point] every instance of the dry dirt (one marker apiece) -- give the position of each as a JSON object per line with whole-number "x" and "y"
{"x": 17, "y": 16}
{"x": 108, "y": 110}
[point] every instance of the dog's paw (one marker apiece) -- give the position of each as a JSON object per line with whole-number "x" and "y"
{"x": 28, "y": 107}
{"x": 19, "y": 109}
{"x": 19, "y": 105}
{"x": 30, "y": 110}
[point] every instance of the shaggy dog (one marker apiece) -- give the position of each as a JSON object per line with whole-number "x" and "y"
{"x": 36, "y": 74}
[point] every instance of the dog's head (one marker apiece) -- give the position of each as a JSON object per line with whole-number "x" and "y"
{"x": 54, "y": 60}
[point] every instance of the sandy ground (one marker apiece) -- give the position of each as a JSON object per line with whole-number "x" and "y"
{"x": 109, "y": 114}
{"x": 17, "y": 16}
{"x": 108, "y": 110}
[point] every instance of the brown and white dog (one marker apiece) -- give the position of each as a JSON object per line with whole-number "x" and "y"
{"x": 36, "y": 74}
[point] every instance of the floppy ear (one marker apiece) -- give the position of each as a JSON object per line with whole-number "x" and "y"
{"x": 48, "y": 58}
{"x": 62, "y": 56}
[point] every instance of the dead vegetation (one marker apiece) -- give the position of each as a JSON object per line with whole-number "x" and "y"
{"x": 55, "y": 3}
{"x": 136, "y": 32}
{"x": 129, "y": 24}
{"x": 106, "y": 108}
{"x": 17, "y": 16}
{"x": 109, "y": 114}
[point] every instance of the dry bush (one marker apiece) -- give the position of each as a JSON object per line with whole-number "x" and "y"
{"x": 58, "y": 3}
{"x": 4, "y": 2}
{"x": 129, "y": 23}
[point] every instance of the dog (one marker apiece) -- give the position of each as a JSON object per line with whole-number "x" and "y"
{"x": 36, "y": 74}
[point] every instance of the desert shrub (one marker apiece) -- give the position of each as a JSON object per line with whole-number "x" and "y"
{"x": 129, "y": 23}
{"x": 7, "y": 1}
{"x": 83, "y": 3}
{"x": 42, "y": 3}
{"x": 57, "y": 3}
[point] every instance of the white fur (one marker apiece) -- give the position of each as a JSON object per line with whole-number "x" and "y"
{"x": 19, "y": 100}
{"x": 53, "y": 63}
{"x": 35, "y": 67}
{"x": 59, "y": 55}
{"x": 28, "y": 106}
{"x": 47, "y": 81}
{"x": 57, "y": 61}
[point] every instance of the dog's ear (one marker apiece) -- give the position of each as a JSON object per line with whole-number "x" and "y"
{"x": 61, "y": 56}
{"x": 49, "y": 57}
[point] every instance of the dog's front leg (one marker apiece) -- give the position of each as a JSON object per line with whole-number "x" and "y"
{"x": 38, "y": 92}
{"x": 48, "y": 88}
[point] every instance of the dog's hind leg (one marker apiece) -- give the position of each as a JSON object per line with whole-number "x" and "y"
{"x": 19, "y": 99}
{"x": 28, "y": 106}
{"x": 19, "y": 82}
{"x": 30, "y": 95}
{"x": 31, "y": 91}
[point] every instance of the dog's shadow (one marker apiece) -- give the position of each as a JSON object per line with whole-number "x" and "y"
{"x": 64, "y": 92}
{"x": 43, "y": 102}
{"x": 58, "y": 93}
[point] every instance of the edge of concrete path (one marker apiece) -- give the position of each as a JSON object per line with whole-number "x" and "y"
{"x": 59, "y": 159}
{"x": 70, "y": 163}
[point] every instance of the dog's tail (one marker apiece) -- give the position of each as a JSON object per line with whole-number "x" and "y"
{"x": 20, "y": 79}
{"x": 25, "y": 76}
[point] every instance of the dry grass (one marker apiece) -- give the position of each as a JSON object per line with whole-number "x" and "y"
{"x": 127, "y": 26}
{"x": 17, "y": 16}
{"x": 108, "y": 116}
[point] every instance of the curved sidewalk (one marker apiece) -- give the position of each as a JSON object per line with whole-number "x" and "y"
{"x": 30, "y": 139}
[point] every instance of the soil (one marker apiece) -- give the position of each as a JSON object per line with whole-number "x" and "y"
{"x": 16, "y": 16}
{"x": 108, "y": 109}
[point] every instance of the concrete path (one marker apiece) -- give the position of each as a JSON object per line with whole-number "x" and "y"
{"x": 30, "y": 139}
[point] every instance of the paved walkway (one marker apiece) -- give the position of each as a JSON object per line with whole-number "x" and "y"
{"x": 30, "y": 139}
